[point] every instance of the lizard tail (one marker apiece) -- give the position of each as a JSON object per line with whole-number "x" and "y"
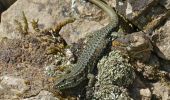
{"x": 109, "y": 10}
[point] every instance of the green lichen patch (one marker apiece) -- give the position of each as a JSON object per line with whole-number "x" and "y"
{"x": 115, "y": 69}
{"x": 111, "y": 92}
{"x": 114, "y": 73}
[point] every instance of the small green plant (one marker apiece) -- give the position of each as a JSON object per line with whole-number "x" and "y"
{"x": 34, "y": 24}
{"x": 22, "y": 28}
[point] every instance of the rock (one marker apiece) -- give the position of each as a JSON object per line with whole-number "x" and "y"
{"x": 132, "y": 8}
{"x": 6, "y": 3}
{"x": 12, "y": 87}
{"x": 140, "y": 46}
{"x": 165, "y": 64}
{"x": 137, "y": 44}
{"x": 149, "y": 70}
{"x": 145, "y": 14}
{"x": 48, "y": 12}
{"x": 79, "y": 29}
{"x": 162, "y": 41}
{"x": 145, "y": 94}
{"x": 27, "y": 58}
{"x": 165, "y": 3}
{"x": 43, "y": 95}
{"x": 161, "y": 90}
{"x": 134, "y": 90}
{"x": 89, "y": 15}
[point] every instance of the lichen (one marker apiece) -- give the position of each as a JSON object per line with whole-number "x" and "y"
{"x": 114, "y": 71}
{"x": 111, "y": 92}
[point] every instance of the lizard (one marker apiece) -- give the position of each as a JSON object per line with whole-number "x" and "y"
{"x": 93, "y": 48}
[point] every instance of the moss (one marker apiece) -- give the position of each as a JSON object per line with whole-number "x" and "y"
{"x": 19, "y": 26}
{"x": 24, "y": 18}
{"x": 34, "y": 24}
{"x": 22, "y": 28}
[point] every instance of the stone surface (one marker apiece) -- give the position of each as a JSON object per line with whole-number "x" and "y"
{"x": 137, "y": 44}
{"x": 145, "y": 94}
{"x": 140, "y": 46}
{"x": 162, "y": 40}
{"x": 77, "y": 30}
{"x": 88, "y": 15}
{"x": 161, "y": 90}
{"x": 47, "y": 11}
{"x": 12, "y": 87}
{"x": 43, "y": 95}
{"x": 149, "y": 70}
{"x": 145, "y": 14}
{"x": 165, "y": 3}
{"x": 136, "y": 87}
{"x": 6, "y": 3}
{"x": 133, "y": 8}
{"x": 27, "y": 59}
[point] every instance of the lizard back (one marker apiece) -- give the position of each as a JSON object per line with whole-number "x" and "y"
{"x": 93, "y": 48}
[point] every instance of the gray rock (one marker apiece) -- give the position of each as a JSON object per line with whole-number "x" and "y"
{"x": 145, "y": 14}
{"x": 137, "y": 44}
{"x": 149, "y": 70}
{"x": 89, "y": 18}
{"x": 145, "y": 94}
{"x": 11, "y": 87}
{"x": 165, "y": 3}
{"x": 163, "y": 41}
{"x": 77, "y": 30}
{"x": 6, "y": 3}
{"x": 43, "y": 95}
{"x": 133, "y": 8}
{"x": 47, "y": 11}
{"x": 140, "y": 46}
{"x": 161, "y": 90}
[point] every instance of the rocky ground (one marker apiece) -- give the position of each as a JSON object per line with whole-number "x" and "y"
{"x": 36, "y": 37}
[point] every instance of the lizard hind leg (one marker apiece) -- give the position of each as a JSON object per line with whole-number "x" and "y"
{"x": 89, "y": 87}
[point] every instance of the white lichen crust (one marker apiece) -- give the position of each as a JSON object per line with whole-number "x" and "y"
{"x": 114, "y": 72}
{"x": 111, "y": 92}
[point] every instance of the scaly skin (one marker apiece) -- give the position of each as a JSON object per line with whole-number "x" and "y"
{"x": 94, "y": 47}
